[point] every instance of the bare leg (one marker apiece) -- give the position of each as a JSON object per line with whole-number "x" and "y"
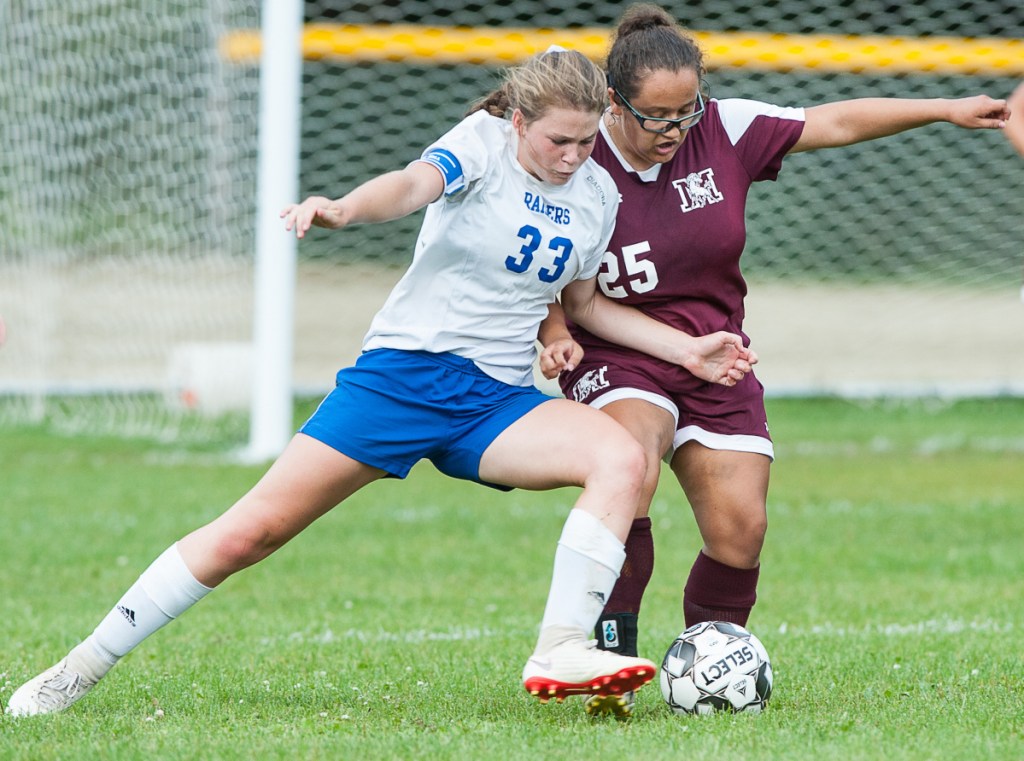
{"x": 562, "y": 443}
{"x": 617, "y": 628}
{"x": 545, "y": 449}
{"x": 728, "y": 493}
{"x": 307, "y": 481}
{"x": 654, "y": 427}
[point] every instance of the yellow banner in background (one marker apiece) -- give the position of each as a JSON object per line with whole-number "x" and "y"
{"x": 749, "y": 50}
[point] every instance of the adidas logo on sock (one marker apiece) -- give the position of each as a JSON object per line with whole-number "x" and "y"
{"x": 128, "y": 613}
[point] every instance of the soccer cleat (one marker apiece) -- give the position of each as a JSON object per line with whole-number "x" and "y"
{"x": 619, "y": 706}
{"x": 578, "y": 667}
{"x": 616, "y": 632}
{"x": 54, "y": 690}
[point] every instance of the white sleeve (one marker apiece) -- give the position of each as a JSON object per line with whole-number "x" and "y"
{"x": 737, "y": 114}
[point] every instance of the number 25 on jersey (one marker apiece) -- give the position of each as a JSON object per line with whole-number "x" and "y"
{"x": 640, "y": 276}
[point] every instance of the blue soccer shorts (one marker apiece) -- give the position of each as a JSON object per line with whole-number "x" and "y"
{"x": 394, "y": 408}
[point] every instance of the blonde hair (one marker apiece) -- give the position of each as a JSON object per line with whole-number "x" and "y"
{"x": 557, "y": 79}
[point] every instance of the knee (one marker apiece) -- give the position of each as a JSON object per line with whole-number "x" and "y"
{"x": 631, "y": 461}
{"x": 752, "y": 530}
{"x": 739, "y": 542}
{"x": 622, "y": 465}
{"x": 747, "y": 536}
{"x": 238, "y": 547}
{"x": 652, "y": 464}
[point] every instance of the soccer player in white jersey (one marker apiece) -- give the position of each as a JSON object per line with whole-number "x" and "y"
{"x": 684, "y": 164}
{"x": 517, "y": 214}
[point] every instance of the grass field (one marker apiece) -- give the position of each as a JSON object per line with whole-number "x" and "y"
{"x": 891, "y": 602}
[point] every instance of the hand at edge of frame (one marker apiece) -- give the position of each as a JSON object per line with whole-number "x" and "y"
{"x": 979, "y": 112}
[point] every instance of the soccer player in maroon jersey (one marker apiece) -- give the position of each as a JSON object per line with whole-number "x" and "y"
{"x": 683, "y": 164}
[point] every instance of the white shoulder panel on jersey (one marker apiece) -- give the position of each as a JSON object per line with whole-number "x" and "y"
{"x": 737, "y": 114}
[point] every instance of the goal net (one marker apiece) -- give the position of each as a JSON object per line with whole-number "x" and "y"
{"x": 126, "y": 194}
{"x": 128, "y": 185}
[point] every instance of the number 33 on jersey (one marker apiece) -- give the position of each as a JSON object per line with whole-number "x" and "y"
{"x": 497, "y": 285}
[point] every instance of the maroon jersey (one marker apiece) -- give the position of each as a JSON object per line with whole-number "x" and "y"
{"x": 675, "y": 254}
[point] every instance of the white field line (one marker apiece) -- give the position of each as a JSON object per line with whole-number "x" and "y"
{"x": 327, "y": 636}
{"x": 900, "y": 629}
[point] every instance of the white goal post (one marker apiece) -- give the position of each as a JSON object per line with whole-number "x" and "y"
{"x": 277, "y": 185}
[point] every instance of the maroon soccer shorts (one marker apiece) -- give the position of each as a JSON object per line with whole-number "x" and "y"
{"x": 719, "y": 417}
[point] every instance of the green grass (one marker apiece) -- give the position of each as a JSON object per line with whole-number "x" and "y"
{"x": 395, "y": 628}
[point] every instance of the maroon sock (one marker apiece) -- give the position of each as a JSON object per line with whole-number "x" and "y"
{"x": 636, "y": 571}
{"x": 718, "y": 592}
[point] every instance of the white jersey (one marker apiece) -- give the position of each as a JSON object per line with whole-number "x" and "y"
{"x": 493, "y": 252}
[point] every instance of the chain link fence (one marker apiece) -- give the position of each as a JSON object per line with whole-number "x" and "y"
{"x": 127, "y": 197}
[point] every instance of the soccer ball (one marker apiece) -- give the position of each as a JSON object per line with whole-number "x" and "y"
{"x": 716, "y": 666}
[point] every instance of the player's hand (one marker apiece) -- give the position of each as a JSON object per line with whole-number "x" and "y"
{"x": 979, "y": 112}
{"x": 720, "y": 358}
{"x": 560, "y": 356}
{"x": 315, "y": 210}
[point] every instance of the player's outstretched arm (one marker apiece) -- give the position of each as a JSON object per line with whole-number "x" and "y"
{"x": 854, "y": 121}
{"x": 718, "y": 358}
{"x": 386, "y": 197}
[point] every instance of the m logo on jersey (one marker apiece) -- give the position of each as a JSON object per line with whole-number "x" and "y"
{"x": 592, "y": 380}
{"x": 697, "y": 190}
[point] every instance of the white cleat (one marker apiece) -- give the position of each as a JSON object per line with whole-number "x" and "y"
{"x": 578, "y": 667}
{"x": 54, "y": 690}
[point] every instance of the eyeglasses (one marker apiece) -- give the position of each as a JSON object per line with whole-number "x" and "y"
{"x": 660, "y": 126}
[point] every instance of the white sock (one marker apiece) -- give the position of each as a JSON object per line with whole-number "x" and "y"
{"x": 163, "y": 592}
{"x": 87, "y": 660}
{"x": 587, "y": 563}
